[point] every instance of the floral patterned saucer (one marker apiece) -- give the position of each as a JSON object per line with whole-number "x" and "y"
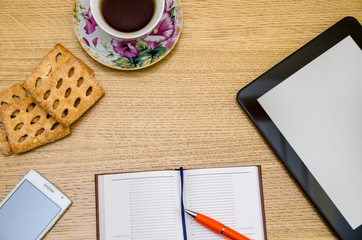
{"x": 127, "y": 54}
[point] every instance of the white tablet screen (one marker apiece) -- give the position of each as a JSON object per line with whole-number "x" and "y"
{"x": 319, "y": 111}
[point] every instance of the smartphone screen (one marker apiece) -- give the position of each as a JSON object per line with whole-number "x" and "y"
{"x": 26, "y": 213}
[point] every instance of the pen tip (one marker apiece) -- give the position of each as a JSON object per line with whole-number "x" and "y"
{"x": 191, "y": 213}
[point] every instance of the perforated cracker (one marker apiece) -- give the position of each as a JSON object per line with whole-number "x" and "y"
{"x": 10, "y": 95}
{"x": 28, "y": 126}
{"x": 69, "y": 92}
{"x": 49, "y": 64}
{"x": 4, "y": 143}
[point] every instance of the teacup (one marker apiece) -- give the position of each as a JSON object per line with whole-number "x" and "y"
{"x": 96, "y": 8}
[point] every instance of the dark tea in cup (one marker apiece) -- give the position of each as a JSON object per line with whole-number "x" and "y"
{"x": 127, "y": 19}
{"x": 127, "y": 15}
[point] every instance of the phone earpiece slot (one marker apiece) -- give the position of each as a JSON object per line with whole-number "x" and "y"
{"x": 49, "y": 188}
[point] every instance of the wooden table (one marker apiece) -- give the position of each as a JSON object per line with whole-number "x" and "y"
{"x": 180, "y": 112}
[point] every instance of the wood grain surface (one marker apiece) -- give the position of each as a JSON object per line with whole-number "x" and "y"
{"x": 180, "y": 112}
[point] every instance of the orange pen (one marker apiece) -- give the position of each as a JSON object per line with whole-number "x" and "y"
{"x": 216, "y": 226}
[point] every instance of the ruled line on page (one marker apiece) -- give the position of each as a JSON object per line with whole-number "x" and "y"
{"x": 134, "y": 178}
{"x": 218, "y": 174}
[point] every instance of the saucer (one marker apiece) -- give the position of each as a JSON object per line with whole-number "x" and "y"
{"x": 124, "y": 54}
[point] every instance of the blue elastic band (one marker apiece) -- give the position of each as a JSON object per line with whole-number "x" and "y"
{"x": 182, "y": 203}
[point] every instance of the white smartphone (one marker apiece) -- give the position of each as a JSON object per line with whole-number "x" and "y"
{"x": 31, "y": 208}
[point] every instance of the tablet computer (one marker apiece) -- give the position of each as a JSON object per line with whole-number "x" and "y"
{"x": 309, "y": 109}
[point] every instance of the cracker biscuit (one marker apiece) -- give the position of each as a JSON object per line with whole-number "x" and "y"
{"x": 28, "y": 126}
{"x": 10, "y": 95}
{"x": 49, "y": 64}
{"x": 69, "y": 92}
{"x": 4, "y": 143}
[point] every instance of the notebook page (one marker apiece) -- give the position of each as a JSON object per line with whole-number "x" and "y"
{"x": 228, "y": 195}
{"x": 142, "y": 206}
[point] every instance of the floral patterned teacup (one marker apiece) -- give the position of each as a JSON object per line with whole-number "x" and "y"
{"x": 96, "y": 12}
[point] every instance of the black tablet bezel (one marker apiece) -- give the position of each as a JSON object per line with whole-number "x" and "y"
{"x": 247, "y": 98}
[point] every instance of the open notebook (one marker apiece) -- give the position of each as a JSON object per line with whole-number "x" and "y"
{"x": 147, "y": 205}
